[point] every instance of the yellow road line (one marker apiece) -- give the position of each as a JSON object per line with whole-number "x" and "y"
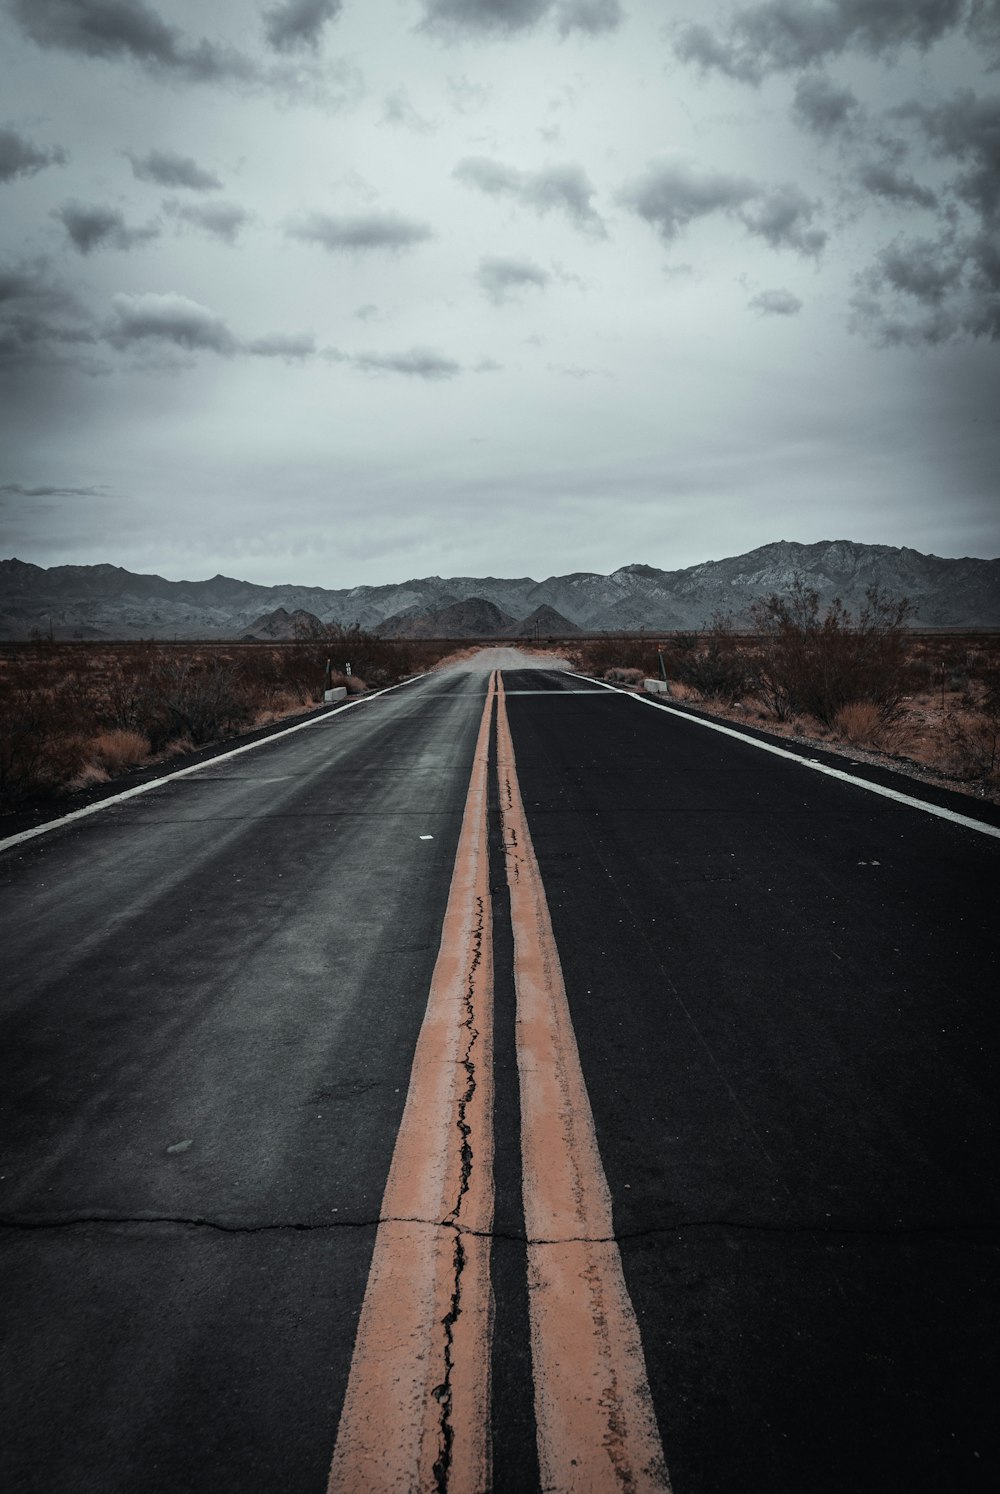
{"x": 597, "y": 1429}
{"x": 416, "y": 1414}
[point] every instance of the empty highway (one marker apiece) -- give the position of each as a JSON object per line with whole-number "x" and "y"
{"x": 502, "y": 1083}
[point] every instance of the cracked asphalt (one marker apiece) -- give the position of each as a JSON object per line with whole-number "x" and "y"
{"x": 783, "y": 990}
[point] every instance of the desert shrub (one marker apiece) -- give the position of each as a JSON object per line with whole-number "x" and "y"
{"x": 714, "y": 663}
{"x": 41, "y": 747}
{"x": 378, "y": 661}
{"x": 858, "y": 722}
{"x": 120, "y": 748}
{"x": 974, "y": 746}
{"x": 973, "y": 735}
{"x": 127, "y": 693}
{"x": 201, "y": 699}
{"x": 813, "y": 662}
{"x": 596, "y": 656}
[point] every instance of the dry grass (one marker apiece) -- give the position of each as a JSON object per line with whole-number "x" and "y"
{"x": 70, "y": 712}
{"x": 119, "y": 748}
{"x": 943, "y": 725}
{"x": 860, "y": 722}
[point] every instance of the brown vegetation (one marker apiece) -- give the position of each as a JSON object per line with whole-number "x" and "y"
{"x": 923, "y": 703}
{"x": 75, "y": 714}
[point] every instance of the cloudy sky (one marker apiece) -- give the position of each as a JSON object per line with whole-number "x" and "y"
{"x": 343, "y": 291}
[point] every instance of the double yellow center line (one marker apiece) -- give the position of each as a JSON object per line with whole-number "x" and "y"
{"x": 416, "y": 1415}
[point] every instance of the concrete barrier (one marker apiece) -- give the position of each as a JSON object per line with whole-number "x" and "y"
{"x": 656, "y": 687}
{"x": 338, "y": 693}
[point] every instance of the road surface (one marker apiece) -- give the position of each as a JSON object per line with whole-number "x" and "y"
{"x": 501, "y": 1083}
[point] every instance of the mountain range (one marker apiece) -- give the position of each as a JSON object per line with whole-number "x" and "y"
{"x": 105, "y": 601}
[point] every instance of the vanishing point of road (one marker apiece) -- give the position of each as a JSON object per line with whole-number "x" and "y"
{"x": 502, "y": 1083}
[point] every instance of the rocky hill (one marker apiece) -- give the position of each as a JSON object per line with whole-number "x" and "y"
{"x": 106, "y": 601}
{"x": 282, "y": 625}
{"x": 473, "y": 618}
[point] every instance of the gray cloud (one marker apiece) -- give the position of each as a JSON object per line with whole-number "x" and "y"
{"x": 39, "y": 318}
{"x": 419, "y": 363}
{"x": 966, "y": 128}
{"x": 129, "y": 29}
{"x": 168, "y": 169}
{"x": 91, "y": 226}
{"x": 451, "y": 17}
{"x": 363, "y": 231}
{"x": 783, "y": 216}
{"x": 590, "y": 16}
{"x": 885, "y": 181}
{"x": 563, "y": 188}
{"x": 22, "y": 157}
{"x": 168, "y": 319}
{"x": 919, "y": 268}
{"x": 670, "y": 195}
{"x": 822, "y": 105}
{"x": 18, "y": 490}
{"x": 398, "y": 109}
{"x": 223, "y": 220}
{"x": 290, "y": 346}
{"x": 498, "y": 277}
{"x": 776, "y": 303}
{"x": 296, "y": 25}
{"x": 783, "y": 35}
{"x": 930, "y": 291}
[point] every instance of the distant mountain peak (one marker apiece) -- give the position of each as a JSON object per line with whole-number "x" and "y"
{"x": 79, "y": 600}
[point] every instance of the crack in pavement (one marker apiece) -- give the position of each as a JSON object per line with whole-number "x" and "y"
{"x": 443, "y": 1391}
{"x": 28, "y": 1223}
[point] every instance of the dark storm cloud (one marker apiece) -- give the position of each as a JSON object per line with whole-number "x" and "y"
{"x": 670, "y": 195}
{"x": 885, "y": 181}
{"x": 167, "y": 169}
{"x": 91, "y": 226}
{"x": 151, "y": 318}
{"x": 221, "y": 219}
{"x": 364, "y": 231}
{"x": 291, "y": 347}
{"x": 930, "y": 291}
{"x": 40, "y": 320}
{"x": 17, "y": 490}
{"x": 297, "y": 25}
{"x": 776, "y": 303}
{"x": 589, "y": 16}
{"x": 418, "y": 363}
{"x": 22, "y": 157}
{"x": 784, "y": 35}
{"x": 966, "y": 128}
{"x": 498, "y": 17}
{"x": 822, "y": 105}
{"x": 499, "y": 277}
{"x": 563, "y": 188}
{"x": 919, "y": 268}
{"x": 129, "y": 29}
{"x": 451, "y": 17}
{"x": 783, "y": 217}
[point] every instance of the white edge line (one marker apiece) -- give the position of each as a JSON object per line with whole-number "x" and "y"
{"x": 872, "y": 788}
{"x": 144, "y": 788}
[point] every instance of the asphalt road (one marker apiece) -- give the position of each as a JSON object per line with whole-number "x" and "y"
{"x": 784, "y": 995}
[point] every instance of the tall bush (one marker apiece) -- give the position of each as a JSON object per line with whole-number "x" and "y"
{"x": 815, "y": 662}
